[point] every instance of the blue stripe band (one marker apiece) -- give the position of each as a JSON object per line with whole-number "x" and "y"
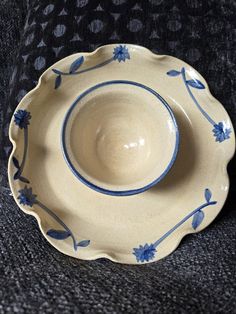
{"x": 90, "y": 184}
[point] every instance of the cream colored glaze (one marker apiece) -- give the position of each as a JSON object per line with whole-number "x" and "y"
{"x": 115, "y": 225}
{"x": 120, "y": 137}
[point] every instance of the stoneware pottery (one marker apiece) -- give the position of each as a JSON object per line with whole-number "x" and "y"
{"x": 120, "y": 153}
{"x": 120, "y": 137}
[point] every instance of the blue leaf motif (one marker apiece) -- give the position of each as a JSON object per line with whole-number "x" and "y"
{"x": 56, "y": 71}
{"x": 15, "y": 162}
{"x": 17, "y": 175}
{"x": 23, "y": 179}
{"x": 76, "y": 64}
{"x": 83, "y": 243}
{"x": 58, "y": 81}
{"x": 173, "y": 73}
{"x": 197, "y": 219}
{"x": 195, "y": 83}
{"x": 208, "y": 195}
{"x": 58, "y": 234}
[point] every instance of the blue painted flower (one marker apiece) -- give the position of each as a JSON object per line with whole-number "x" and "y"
{"x": 145, "y": 253}
{"x": 27, "y": 197}
{"x": 22, "y": 118}
{"x": 121, "y": 53}
{"x": 221, "y": 132}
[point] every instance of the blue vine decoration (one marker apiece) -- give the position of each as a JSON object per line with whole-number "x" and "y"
{"x": 21, "y": 119}
{"x": 147, "y": 252}
{"x": 120, "y": 53}
{"x": 27, "y": 198}
{"x": 220, "y": 130}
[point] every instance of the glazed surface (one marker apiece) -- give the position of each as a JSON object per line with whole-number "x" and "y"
{"x": 136, "y": 229}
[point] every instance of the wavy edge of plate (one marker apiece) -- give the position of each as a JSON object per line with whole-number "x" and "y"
{"x": 176, "y": 242}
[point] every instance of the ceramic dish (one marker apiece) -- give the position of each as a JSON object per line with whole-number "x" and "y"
{"x": 139, "y": 228}
{"x": 120, "y": 138}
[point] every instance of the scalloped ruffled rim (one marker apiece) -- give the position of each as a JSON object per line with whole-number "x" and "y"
{"x": 109, "y": 255}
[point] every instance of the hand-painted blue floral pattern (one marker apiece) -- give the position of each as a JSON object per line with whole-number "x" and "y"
{"x": 197, "y": 219}
{"x": 76, "y": 64}
{"x": 21, "y": 118}
{"x": 220, "y": 131}
{"x": 146, "y": 253}
{"x": 121, "y": 53}
{"x": 26, "y": 196}
{"x": 143, "y": 253}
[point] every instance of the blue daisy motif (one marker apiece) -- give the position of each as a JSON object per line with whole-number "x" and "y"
{"x": 221, "y": 132}
{"x": 121, "y": 53}
{"x": 27, "y": 197}
{"x": 21, "y": 118}
{"x": 144, "y": 253}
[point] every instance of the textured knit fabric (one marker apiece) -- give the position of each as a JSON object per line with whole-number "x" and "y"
{"x": 199, "y": 277}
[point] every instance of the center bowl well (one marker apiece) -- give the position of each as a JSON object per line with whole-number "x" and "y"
{"x": 120, "y": 137}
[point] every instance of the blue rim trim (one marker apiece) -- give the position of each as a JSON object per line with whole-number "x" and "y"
{"x": 95, "y": 187}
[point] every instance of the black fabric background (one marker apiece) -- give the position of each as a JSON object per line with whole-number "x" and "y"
{"x": 200, "y": 276}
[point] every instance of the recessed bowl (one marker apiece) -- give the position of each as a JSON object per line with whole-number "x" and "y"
{"x": 120, "y": 137}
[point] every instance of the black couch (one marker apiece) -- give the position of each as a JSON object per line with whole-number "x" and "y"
{"x": 199, "y": 277}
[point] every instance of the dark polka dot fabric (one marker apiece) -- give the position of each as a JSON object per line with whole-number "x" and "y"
{"x": 198, "y": 32}
{"x": 199, "y": 277}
